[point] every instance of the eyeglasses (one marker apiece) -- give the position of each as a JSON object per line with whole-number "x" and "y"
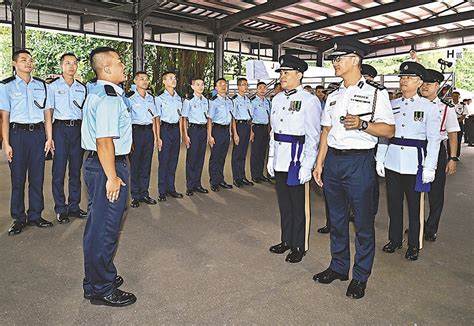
{"x": 338, "y": 58}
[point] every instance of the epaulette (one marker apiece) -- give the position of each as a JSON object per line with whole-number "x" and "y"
{"x": 53, "y": 80}
{"x": 375, "y": 84}
{"x": 179, "y": 95}
{"x": 214, "y": 97}
{"x": 190, "y": 97}
{"x": 80, "y": 83}
{"x": 331, "y": 90}
{"x": 130, "y": 94}
{"x": 93, "y": 80}
{"x": 39, "y": 79}
{"x": 109, "y": 90}
{"x": 160, "y": 92}
{"x": 446, "y": 101}
{"x": 253, "y": 97}
{"x": 234, "y": 97}
{"x": 7, "y": 80}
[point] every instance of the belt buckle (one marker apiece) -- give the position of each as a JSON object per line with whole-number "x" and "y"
{"x": 71, "y": 123}
{"x": 31, "y": 127}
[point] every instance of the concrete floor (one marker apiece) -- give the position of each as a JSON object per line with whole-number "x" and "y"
{"x": 204, "y": 260}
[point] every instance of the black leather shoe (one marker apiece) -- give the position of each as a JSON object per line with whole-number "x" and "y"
{"x": 162, "y": 197}
{"x": 41, "y": 223}
{"x": 118, "y": 298}
{"x": 431, "y": 238}
{"x": 189, "y": 192}
{"x": 215, "y": 188}
{"x": 257, "y": 180}
{"x": 225, "y": 185}
{"x": 266, "y": 179}
{"x": 356, "y": 289}
{"x": 176, "y": 194}
{"x": 77, "y": 214}
{"x": 391, "y": 246}
{"x": 325, "y": 229}
{"x": 118, "y": 282}
{"x": 412, "y": 253}
{"x": 246, "y": 182}
{"x": 135, "y": 203}
{"x": 16, "y": 227}
{"x": 238, "y": 183}
{"x": 295, "y": 255}
{"x": 148, "y": 200}
{"x": 62, "y": 218}
{"x": 201, "y": 190}
{"x": 280, "y": 248}
{"x": 328, "y": 276}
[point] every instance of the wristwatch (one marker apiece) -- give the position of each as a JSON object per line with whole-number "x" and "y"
{"x": 364, "y": 125}
{"x": 453, "y": 158}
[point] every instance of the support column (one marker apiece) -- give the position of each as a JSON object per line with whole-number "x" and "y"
{"x": 18, "y": 25}
{"x": 138, "y": 44}
{"x": 319, "y": 59}
{"x": 276, "y": 51}
{"x": 219, "y": 56}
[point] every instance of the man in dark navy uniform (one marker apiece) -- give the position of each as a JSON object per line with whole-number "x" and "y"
{"x": 27, "y": 139}
{"x": 107, "y": 136}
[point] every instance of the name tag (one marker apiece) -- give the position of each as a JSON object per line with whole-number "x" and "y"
{"x": 17, "y": 94}
{"x": 61, "y": 92}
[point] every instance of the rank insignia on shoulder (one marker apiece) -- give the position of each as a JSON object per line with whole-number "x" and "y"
{"x": 109, "y": 90}
{"x": 160, "y": 92}
{"x": 295, "y": 106}
{"x": 214, "y": 97}
{"x": 332, "y": 103}
{"x": 234, "y": 97}
{"x": 7, "y": 80}
{"x": 375, "y": 84}
{"x": 130, "y": 94}
{"x": 418, "y": 115}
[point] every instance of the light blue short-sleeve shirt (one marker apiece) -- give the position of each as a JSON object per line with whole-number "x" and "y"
{"x": 242, "y": 107}
{"x": 196, "y": 109}
{"x": 169, "y": 106}
{"x": 261, "y": 108}
{"x": 220, "y": 109}
{"x": 143, "y": 109}
{"x": 67, "y": 101}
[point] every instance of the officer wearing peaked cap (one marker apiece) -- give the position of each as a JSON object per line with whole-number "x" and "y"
{"x": 446, "y": 165}
{"x": 409, "y": 159}
{"x": 356, "y": 114}
{"x": 368, "y": 71}
{"x": 294, "y": 139}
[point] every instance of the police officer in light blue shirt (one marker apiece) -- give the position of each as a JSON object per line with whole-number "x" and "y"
{"x": 241, "y": 131}
{"x": 218, "y": 133}
{"x": 27, "y": 139}
{"x": 67, "y": 97}
{"x": 107, "y": 136}
{"x": 195, "y": 109}
{"x": 261, "y": 108}
{"x": 169, "y": 106}
{"x": 144, "y": 116}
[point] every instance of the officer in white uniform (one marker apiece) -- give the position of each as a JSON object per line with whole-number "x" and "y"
{"x": 461, "y": 112}
{"x": 409, "y": 159}
{"x": 446, "y": 165}
{"x": 294, "y": 138}
{"x": 356, "y": 113}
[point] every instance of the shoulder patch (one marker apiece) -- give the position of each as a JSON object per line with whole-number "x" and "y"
{"x": 445, "y": 101}
{"x": 109, "y": 90}
{"x": 130, "y": 94}
{"x": 213, "y": 98}
{"x": 375, "y": 84}
{"x": 160, "y": 92}
{"x": 7, "y": 80}
{"x": 53, "y": 80}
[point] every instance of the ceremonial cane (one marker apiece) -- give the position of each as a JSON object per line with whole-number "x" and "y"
{"x": 422, "y": 218}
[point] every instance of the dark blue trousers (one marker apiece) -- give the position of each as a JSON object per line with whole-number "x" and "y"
{"x": 352, "y": 177}
{"x": 168, "y": 159}
{"x": 28, "y": 157}
{"x": 239, "y": 152}
{"x": 436, "y": 195}
{"x": 258, "y": 150}
{"x": 140, "y": 162}
{"x": 68, "y": 152}
{"x": 102, "y": 229}
{"x": 195, "y": 156}
{"x": 218, "y": 154}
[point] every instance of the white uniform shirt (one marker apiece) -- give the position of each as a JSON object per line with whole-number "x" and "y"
{"x": 355, "y": 99}
{"x": 449, "y": 121}
{"x": 415, "y": 118}
{"x": 297, "y": 114}
{"x": 461, "y": 110}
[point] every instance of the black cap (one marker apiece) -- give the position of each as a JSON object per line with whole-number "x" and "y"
{"x": 412, "y": 68}
{"x": 347, "y": 45}
{"x": 289, "y": 62}
{"x": 369, "y": 70}
{"x": 433, "y": 76}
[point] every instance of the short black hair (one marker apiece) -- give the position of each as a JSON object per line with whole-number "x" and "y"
{"x": 67, "y": 55}
{"x": 240, "y": 80}
{"x": 18, "y": 52}
{"x": 218, "y": 80}
{"x": 102, "y": 49}
{"x": 193, "y": 79}
{"x": 167, "y": 73}
{"x": 319, "y": 87}
{"x": 261, "y": 83}
{"x": 455, "y": 92}
{"x": 141, "y": 72}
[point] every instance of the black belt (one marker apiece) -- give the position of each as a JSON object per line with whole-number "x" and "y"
{"x": 143, "y": 127}
{"x": 242, "y": 121}
{"x": 169, "y": 125}
{"x": 69, "y": 123}
{"x": 259, "y": 125}
{"x": 220, "y": 126}
{"x": 349, "y": 151}
{"x": 117, "y": 157}
{"x": 27, "y": 126}
{"x": 197, "y": 125}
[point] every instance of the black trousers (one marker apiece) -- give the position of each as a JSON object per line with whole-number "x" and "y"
{"x": 258, "y": 150}
{"x": 399, "y": 186}
{"x": 436, "y": 195}
{"x": 291, "y": 201}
